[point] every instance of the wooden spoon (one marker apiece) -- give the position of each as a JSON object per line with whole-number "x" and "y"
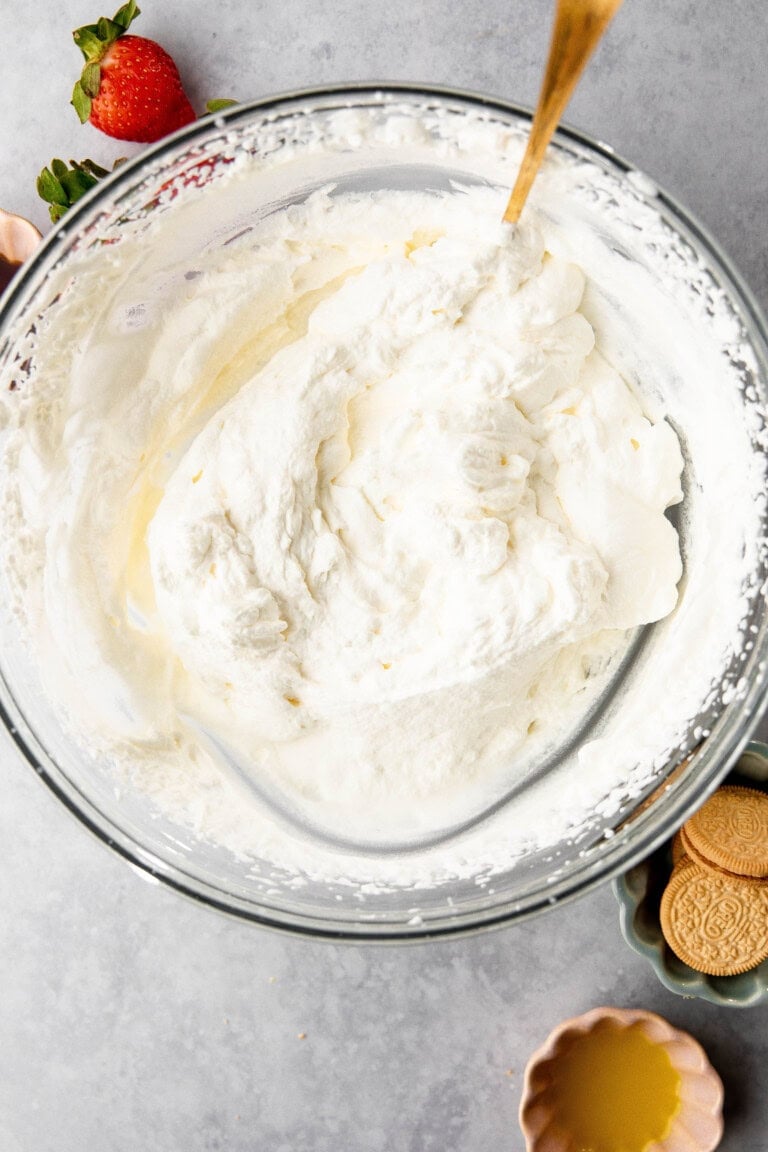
{"x": 579, "y": 25}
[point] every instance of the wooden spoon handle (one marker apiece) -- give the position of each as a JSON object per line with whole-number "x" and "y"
{"x": 579, "y": 25}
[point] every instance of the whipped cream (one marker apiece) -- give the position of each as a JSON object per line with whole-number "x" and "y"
{"x": 396, "y": 551}
{"x": 366, "y": 510}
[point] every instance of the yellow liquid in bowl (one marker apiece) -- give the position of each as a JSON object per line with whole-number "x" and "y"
{"x": 615, "y": 1090}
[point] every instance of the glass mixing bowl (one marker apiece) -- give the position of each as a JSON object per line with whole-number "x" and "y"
{"x": 680, "y": 270}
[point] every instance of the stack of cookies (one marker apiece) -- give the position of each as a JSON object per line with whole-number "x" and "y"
{"x": 714, "y": 911}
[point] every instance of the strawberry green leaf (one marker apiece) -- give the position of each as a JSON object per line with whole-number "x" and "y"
{"x": 92, "y": 28}
{"x": 109, "y": 31}
{"x": 93, "y": 40}
{"x": 90, "y": 80}
{"x": 77, "y": 184}
{"x": 81, "y": 102}
{"x": 62, "y": 185}
{"x": 125, "y": 15}
{"x": 90, "y": 43}
{"x": 212, "y": 106}
{"x": 96, "y": 169}
{"x": 50, "y": 189}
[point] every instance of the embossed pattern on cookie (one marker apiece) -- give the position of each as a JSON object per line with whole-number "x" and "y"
{"x": 692, "y": 853}
{"x": 731, "y": 830}
{"x": 717, "y": 924}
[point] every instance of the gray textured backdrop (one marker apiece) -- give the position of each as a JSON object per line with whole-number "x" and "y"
{"x": 130, "y": 1019}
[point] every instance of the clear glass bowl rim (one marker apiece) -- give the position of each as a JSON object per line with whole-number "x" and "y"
{"x": 616, "y": 855}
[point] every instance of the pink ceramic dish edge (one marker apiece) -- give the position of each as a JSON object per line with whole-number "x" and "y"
{"x": 698, "y": 1125}
{"x": 18, "y": 238}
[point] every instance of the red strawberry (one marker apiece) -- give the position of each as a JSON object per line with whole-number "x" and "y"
{"x": 130, "y": 87}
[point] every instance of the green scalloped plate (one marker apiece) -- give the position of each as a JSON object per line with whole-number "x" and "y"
{"x": 638, "y": 893}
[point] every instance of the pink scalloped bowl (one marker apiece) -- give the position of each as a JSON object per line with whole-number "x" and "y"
{"x": 697, "y": 1126}
{"x": 18, "y": 240}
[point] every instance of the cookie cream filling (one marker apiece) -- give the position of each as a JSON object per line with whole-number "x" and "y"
{"x": 364, "y": 513}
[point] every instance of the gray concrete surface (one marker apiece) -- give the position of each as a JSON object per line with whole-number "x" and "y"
{"x": 131, "y": 1019}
